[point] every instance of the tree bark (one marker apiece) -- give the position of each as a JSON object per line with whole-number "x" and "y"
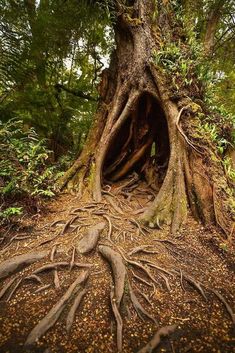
{"x": 137, "y": 109}
{"x": 214, "y": 16}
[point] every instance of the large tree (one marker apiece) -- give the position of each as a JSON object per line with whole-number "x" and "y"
{"x": 150, "y": 112}
{"x": 152, "y": 119}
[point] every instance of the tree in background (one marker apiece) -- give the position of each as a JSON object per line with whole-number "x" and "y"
{"x": 50, "y": 63}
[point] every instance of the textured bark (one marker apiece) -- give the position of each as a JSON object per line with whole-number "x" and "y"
{"x": 137, "y": 112}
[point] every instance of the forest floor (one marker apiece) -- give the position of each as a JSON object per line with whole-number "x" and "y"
{"x": 186, "y": 280}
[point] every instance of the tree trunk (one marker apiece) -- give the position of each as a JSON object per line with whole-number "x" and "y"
{"x": 138, "y": 126}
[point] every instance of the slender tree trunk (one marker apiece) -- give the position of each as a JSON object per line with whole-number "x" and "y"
{"x": 214, "y": 16}
{"x": 137, "y": 110}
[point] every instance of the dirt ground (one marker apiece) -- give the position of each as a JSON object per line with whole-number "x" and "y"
{"x": 192, "y": 284}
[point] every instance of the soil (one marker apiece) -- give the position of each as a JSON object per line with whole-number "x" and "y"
{"x": 202, "y": 254}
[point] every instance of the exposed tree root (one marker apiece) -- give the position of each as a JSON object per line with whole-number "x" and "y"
{"x": 113, "y": 204}
{"x": 226, "y": 304}
{"x": 110, "y": 226}
{"x": 34, "y": 278}
{"x": 6, "y": 287}
{"x": 142, "y": 280}
{"x": 145, "y": 297}
{"x": 138, "y": 307}
{"x": 147, "y": 280}
{"x": 47, "y": 241}
{"x": 132, "y": 220}
{"x": 17, "y": 263}
{"x": 90, "y": 240}
{"x": 50, "y": 319}
{"x": 151, "y": 264}
{"x": 196, "y": 284}
{"x": 182, "y": 132}
{"x": 16, "y": 238}
{"x": 42, "y": 288}
{"x": 56, "y": 265}
{"x": 155, "y": 341}
{"x": 144, "y": 249}
{"x": 118, "y": 269}
{"x": 53, "y": 251}
{"x": 14, "y": 289}
{"x": 56, "y": 277}
{"x": 50, "y": 266}
{"x": 118, "y": 318}
{"x": 73, "y": 309}
{"x": 72, "y": 259}
{"x": 143, "y": 268}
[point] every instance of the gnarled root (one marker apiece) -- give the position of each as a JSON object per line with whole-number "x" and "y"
{"x": 170, "y": 204}
{"x": 118, "y": 269}
{"x": 90, "y": 240}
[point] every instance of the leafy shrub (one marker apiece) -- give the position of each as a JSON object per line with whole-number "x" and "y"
{"x": 25, "y": 169}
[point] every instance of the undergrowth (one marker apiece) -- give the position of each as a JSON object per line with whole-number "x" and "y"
{"x": 27, "y": 174}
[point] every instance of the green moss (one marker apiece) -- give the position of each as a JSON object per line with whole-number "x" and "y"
{"x": 133, "y": 21}
{"x": 126, "y": 287}
{"x": 91, "y": 175}
{"x": 196, "y": 108}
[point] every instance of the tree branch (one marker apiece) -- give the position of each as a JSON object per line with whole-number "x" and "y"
{"x": 79, "y": 94}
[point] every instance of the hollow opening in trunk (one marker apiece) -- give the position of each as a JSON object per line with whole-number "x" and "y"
{"x": 141, "y": 145}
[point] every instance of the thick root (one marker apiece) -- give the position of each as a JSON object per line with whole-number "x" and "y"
{"x": 90, "y": 240}
{"x": 118, "y": 269}
{"x": 17, "y": 263}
